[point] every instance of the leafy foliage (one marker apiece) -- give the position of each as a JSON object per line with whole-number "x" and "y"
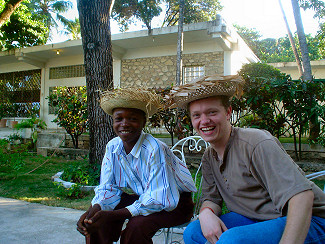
{"x": 23, "y": 29}
{"x": 46, "y": 9}
{"x": 271, "y": 50}
{"x": 34, "y": 123}
{"x": 74, "y": 192}
{"x": 72, "y": 28}
{"x": 251, "y": 36}
{"x": 317, "y": 6}
{"x": 298, "y": 99}
{"x": 176, "y": 121}
{"x": 83, "y": 174}
{"x": 278, "y": 104}
{"x": 194, "y": 11}
{"x": 126, "y": 12}
{"x": 70, "y": 105}
{"x": 260, "y": 97}
{"x": 31, "y": 22}
{"x": 12, "y": 155}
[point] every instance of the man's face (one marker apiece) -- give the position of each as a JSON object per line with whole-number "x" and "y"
{"x": 210, "y": 119}
{"x": 128, "y": 124}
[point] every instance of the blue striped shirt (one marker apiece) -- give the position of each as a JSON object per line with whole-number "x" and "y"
{"x": 150, "y": 170}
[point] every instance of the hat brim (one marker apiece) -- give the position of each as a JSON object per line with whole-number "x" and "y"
{"x": 147, "y": 101}
{"x": 109, "y": 105}
{"x": 205, "y": 87}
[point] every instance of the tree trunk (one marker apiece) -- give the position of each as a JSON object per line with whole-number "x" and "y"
{"x": 292, "y": 42}
{"x": 9, "y": 8}
{"x": 94, "y": 19}
{"x": 302, "y": 41}
{"x": 314, "y": 127}
{"x": 180, "y": 43}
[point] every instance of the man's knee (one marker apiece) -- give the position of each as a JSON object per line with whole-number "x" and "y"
{"x": 233, "y": 236}
{"x": 139, "y": 229}
{"x": 139, "y": 225}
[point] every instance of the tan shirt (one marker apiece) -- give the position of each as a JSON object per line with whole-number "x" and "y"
{"x": 256, "y": 177}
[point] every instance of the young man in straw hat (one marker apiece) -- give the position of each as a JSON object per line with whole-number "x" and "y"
{"x": 141, "y": 179}
{"x": 269, "y": 199}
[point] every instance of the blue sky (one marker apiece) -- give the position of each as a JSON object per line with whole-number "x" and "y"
{"x": 263, "y": 15}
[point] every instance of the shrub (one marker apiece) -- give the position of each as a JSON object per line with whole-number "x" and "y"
{"x": 74, "y": 192}
{"x": 70, "y": 104}
{"x": 33, "y": 123}
{"x": 82, "y": 174}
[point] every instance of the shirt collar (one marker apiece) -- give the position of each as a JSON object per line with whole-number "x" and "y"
{"x": 135, "y": 152}
{"x": 229, "y": 143}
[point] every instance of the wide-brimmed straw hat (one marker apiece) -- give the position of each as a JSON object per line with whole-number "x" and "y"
{"x": 131, "y": 97}
{"x": 207, "y": 86}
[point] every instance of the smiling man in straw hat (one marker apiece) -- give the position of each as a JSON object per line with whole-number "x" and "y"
{"x": 269, "y": 199}
{"x": 141, "y": 179}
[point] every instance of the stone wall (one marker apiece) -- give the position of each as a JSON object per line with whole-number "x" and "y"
{"x": 161, "y": 71}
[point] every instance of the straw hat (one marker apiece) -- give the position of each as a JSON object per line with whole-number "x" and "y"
{"x": 131, "y": 97}
{"x": 207, "y": 86}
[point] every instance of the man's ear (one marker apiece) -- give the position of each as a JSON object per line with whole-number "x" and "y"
{"x": 144, "y": 121}
{"x": 228, "y": 112}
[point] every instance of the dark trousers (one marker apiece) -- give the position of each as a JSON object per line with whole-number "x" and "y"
{"x": 140, "y": 229}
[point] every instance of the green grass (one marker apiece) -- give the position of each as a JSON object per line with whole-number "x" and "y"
{"x": 304, "y": 140}
{"x": 161, "y": 135}
{"x": 36, "y": 186}
{"x": 16, "y": 181}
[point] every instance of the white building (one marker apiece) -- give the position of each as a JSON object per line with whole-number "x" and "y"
{"x": 139, "y": 59}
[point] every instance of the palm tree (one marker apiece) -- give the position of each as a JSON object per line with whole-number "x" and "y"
{"x": 307, "y": 74}
{"x": 50, "y": 11}
{"x": 292, "y": 42}
{"x": 72, "y": 29}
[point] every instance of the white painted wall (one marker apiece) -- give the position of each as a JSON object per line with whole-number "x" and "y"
{"x": 169, "y": 50}
{"x": 15, "y": 67}
{"x": 290, "y": 68}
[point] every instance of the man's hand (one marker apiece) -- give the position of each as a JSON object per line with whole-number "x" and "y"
{"x": 100, "y": 217}
{"x": 97, "y": 218}
{"x": 82, "y": 225}
{"x": 211, "y": 225}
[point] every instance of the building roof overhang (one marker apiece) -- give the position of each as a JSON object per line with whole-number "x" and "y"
{"x": 216, "y": 30}
{"x": 293, "y": 65}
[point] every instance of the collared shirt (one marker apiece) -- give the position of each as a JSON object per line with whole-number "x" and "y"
{"x": 150, "y": 170}
{"x": 256, "y": 177}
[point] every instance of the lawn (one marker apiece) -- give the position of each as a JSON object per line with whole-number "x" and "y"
{"x": 18, "y": 182}
{"x": 27, "y": 176}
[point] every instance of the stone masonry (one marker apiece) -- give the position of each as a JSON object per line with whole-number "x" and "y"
{"x": 161, "y": 71}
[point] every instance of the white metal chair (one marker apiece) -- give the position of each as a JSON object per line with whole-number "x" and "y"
{"x": 197, "y": 144}
{"x": 187, "y": 146}
{"x": 316, "y": 175}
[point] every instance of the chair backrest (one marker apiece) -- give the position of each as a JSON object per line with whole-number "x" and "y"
{"x": 186, "y": 147}
{"x": 316, "y": 175}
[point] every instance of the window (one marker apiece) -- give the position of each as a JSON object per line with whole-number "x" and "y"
{"x": 67, "y": 72}
{"x": 22, "y": 90}
{"x": 190, "y": 73}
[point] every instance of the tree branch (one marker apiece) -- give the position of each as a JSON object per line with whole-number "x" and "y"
{"x": 8, "y": 10}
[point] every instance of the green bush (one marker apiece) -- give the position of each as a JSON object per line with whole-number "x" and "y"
{"x": 70, "y": 104}
{"x": 82, "y": 174}
{"x": 74, "y": 192}
{"x": 32, "y": 123}
{"x": 12, "y": 155}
